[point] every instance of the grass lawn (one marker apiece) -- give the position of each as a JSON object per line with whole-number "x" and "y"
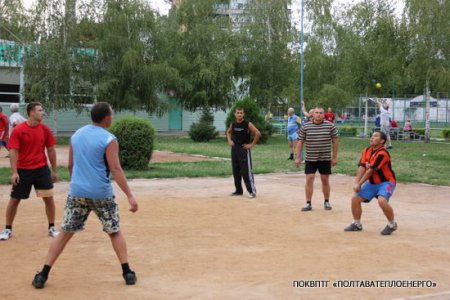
{"x": 408, "y": 160}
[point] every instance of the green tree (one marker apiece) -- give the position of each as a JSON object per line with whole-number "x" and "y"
{"x": 130, "y": 77}
{"x": 202, "y": 49}
{"x": 269, "y": 64}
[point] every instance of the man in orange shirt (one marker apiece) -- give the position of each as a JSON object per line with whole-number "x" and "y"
{"x": 375, "y": 178}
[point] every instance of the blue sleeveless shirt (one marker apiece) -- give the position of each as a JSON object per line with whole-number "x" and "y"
{"x": 90, "y": 173}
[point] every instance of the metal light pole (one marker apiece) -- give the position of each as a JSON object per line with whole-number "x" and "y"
{"x": 301, "y": 59}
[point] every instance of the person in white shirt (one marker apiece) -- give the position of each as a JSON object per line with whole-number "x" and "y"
{"x": 385, "y": 120}
{"x": 15, "y": 118}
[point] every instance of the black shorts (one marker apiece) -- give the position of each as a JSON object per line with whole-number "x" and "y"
{"x": 40, "y": 178}
{"x": 324, "y": 167}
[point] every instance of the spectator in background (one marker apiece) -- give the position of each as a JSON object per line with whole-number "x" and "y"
{"x": 330, "y": 116}
{"x": 4, "y": 128}
{"x": 394, "y": 124}
{"x": 408, "y": 126}
{"x": 377, "y": 121}
{"x": 293, "y": 126}
{"x": 342, "y": 117}
{"x": 15, "y": 118}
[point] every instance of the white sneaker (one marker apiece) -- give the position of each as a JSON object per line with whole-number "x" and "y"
{"x": 53, "y": 232}
{"x": 5, "y": 234}
{"x": 251, "y": 195}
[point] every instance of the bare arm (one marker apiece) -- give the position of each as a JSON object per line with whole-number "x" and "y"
{"x": 112, "y": 157}
{"x": 359, "y": 175}
{"x": 13, "y": 162}
{"x": 256, "y": 133}
{"x": 230, "y": 142}
{"x": 365, "y": 175}
{"x": 298, "y": 149}
{"x": 70, "y": 164}
{"x": 335, "y": 142}
{"x": 52, "y": 157}
{"x": 305, "y": 112}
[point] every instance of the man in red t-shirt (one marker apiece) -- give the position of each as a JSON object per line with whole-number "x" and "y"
{"x": 330, "y": 116}
{"x": 4, "y": 128}
{"x": 29, "y": 167}
{"x": 375, "y": 178}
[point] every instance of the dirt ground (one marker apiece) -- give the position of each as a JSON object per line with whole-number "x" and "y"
{"x": 189, "y": 240}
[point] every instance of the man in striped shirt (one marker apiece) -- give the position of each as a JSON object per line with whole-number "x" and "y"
{"x": 318, "y": 135}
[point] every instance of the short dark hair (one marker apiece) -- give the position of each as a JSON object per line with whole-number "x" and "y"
{"x": 319, "y": 107}
{"x": 31, "y": 106}
{"x": 383, "y": 135}
{"x": 100, "y": 111}
{"x": 239, "y": 108}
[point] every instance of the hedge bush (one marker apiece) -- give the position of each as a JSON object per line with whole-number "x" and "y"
{"x": 204, "y": 131}
{"x": 419, "y": 131}
{"x": 136, "y": 140}
{"x": 348, "y": 131}
{"x": 446, "y": 133}
{"x": 251, "y": 114}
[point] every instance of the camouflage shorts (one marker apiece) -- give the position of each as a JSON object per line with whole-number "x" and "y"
{"x": 77, "y": 211}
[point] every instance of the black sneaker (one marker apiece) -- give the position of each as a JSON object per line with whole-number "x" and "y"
{"x": 39, "y": 281}
{"x": 389, "y": 147}
{"x": 327, "y": 205}
{"x": 130, "y": 278}
{"x": 307, "y": 207}
{"x": 291, "y": 157}
{"x": 353, "y": 227}
{"x": 388, "y": 229}
{"x": 236, "y": 193}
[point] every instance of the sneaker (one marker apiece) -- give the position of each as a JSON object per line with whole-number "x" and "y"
{"x": 353, "y": 227}
{"x": 388, "y": 229}
{"x": 389, "y": 147}
{"x": 236, "y": 193}
{"x": 130, "y": 278}
{"x": 5, "y": 234}
{"x": 53, "y": 232}
{"x": 327, "y": 205}
{"x": 251, "y": 195}
{"x": 39, "y": 281}
{"x": 307, "y": 207}
{"x": 291, "y": 157}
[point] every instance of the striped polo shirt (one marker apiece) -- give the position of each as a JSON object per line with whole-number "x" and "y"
{"x": 317, "y": 138}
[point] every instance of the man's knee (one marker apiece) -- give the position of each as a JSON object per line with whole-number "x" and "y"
{"x": 382, "y": 201}
{"x": 357, "y": 199}
{"x": 325, "y": 180}
{"x": 14, "y": 202}
{"x": 310, "y": 178}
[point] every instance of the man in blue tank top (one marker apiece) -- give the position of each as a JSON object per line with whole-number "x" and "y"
{"x": 93, "y": 155}
{"x": 293, "y": 125}
{"x": 238, "y": 136}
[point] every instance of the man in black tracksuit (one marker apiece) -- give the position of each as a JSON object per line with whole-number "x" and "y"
{"x": 238, "y": 136}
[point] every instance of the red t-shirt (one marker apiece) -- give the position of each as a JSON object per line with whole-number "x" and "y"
{"x": 31, "y": 142}
{"x": 330, "y": 117}
{"x": 3, "y": 126}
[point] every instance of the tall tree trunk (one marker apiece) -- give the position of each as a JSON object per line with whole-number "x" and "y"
{"x": 427, "y": 114}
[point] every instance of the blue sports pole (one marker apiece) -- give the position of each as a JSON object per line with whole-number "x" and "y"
{"x": 301, "y": 59}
